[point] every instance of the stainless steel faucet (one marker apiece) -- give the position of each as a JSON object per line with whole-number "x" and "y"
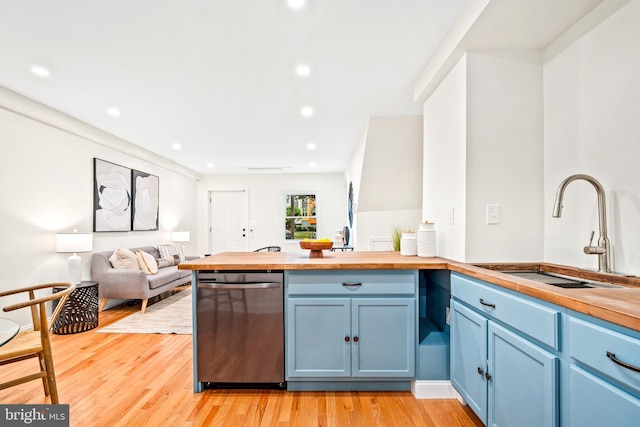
{"x": 603, "y": 250}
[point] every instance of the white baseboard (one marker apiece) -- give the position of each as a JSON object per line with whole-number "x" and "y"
{"x": 423, "y": 389}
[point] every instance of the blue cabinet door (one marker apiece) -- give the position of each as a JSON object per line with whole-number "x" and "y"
{"x": 383, "y": 342}
{"x": 317, "y": 333}
{"x": 594, "y": 402}
{"x": 522, "y": 384}
{"x": 469, "y": 357}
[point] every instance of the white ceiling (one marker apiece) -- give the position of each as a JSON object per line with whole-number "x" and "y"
{"x": 218, "y": 77}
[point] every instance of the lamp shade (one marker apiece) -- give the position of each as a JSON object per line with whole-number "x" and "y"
{"x": 74, "y": 242}
{"x": 181, "y": 236}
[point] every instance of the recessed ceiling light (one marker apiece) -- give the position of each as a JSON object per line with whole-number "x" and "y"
{"x": 113, "y": 111}
{"x": 40, "y": 71}
{"x": 303, "y": 70}
{"x": 176, "y": 146}
{"x": 210, "y": 165}
{"x": 296, "y": 4}
{"x": 312, "y": 164}
{"x": 311, "y": 146}
{"x": 306, "y": 111}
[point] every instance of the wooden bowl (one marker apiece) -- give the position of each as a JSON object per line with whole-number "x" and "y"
{"x": 316, "y": 248}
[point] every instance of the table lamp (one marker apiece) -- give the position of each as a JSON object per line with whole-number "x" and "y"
{"x": 180, "y": 237}
{"x": 73, "y": 243}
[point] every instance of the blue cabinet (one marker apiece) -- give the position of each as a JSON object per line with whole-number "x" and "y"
{"x": 522, "y": 381}
{"x": 604, "y": 377}
{"x": 317, "y": 334}
{"x": 595, "y": 402}
{"x": 503, "y": 373}
{"x": 383, "y": 341}
{"x": 469, "y": 357}
{"x": 350, "y": 326}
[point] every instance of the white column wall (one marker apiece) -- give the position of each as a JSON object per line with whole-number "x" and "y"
{"x": 504, "y": 156}
{"x": 483, "y": 145}
{"x": 445, "y": 162}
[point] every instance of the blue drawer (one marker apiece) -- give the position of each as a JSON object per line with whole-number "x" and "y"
{"x": 590, "y": 343}
{"x": 351, "y": 283}
{"x": 533, "y": 319}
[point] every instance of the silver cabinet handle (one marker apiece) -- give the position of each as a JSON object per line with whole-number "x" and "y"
{"x": 237, "y": 285}
{"x": 617, "y": 361}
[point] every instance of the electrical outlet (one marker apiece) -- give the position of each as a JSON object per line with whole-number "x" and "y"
{"x": 493, "y": 214}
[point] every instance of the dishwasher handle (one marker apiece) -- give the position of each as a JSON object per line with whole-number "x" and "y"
{"x": 213, "y": 284}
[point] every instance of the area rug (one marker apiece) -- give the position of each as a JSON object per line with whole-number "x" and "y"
{"x": 170, "y": 316}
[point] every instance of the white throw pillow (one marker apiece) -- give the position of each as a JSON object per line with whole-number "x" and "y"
{"x": 124, "y": 258}
{"x": 147, "y": 262}
{"x": 169, "y": 250}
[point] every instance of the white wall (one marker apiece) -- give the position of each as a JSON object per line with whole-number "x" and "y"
{"x": 392, "y": 165}
{"x": 483, "y": 145}
{"x": 504, "y": 155}
{"x": 46, "y": 186}
{"x": 386, "y": 171}
{"x": 266, "y": 204}
{"x": 592, "y": 126}
{"x": 445, "y": 162}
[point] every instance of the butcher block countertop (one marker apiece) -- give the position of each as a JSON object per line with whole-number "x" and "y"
{"x": 617, "y": 305}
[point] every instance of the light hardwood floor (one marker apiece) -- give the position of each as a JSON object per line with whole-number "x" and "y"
{"x": 146, "y": 380}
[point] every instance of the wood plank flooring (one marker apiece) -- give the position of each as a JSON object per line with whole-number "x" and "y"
{"x": 146, "y": 380}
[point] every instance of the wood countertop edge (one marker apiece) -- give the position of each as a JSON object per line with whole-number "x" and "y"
{"x": 619, "y": 306}
{"x": 586, "y": 301}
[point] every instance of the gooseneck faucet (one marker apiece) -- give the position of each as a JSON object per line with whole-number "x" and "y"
{"x": 603, "y": 250}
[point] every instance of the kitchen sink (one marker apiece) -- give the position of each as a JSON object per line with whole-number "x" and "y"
{"x": 559, "y": 280}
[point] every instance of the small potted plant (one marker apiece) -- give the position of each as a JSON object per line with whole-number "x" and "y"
{"x": 396, "y": 235}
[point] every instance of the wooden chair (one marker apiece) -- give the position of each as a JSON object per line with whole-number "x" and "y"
{"x": 30, "y": 344}
{"x": 269, "y": 249}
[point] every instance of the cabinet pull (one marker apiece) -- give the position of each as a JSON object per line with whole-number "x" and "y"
{"x": 487, "y": 376}
{"x": 346, "y": 339}
{"x": 355, "y": 339}
{"x": 487, "y": 304}
{"x": 480, "y": 371}
{"x": 351, "y": 285}
{"x": 617, "y": 361}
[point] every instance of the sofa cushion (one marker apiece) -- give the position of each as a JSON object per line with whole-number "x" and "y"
{"x": 168, "y": 261}
{"x": 170, "y": 249}
{"x": 124, "y": 258}
{"x": 164, "y": 276}
{"x": 147, "y": 262}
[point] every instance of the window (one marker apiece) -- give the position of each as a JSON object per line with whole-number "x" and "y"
{"x": 300, "y": 216}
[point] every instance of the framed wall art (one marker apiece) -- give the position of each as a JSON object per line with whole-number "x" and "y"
{"x": 146, "y": 191}
{"x": 111, "y": 196}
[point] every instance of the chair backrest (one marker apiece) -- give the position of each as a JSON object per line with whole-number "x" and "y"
{"x": 38, "y": 305}
{"x": 269, "y": 249}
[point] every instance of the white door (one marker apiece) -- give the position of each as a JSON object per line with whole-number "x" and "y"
{"x": 228, "y": 221}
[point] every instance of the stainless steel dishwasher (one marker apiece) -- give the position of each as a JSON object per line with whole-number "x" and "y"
{"x": 240, "y": 329}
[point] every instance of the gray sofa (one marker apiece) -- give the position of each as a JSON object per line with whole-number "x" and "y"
{"x": 134, "y": 284}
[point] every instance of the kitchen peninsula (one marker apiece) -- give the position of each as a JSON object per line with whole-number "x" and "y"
{"x": 376, "y": 321}
{"x": 616, "y": 305}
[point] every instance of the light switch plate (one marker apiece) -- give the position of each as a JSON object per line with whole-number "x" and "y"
{"x": 493, "y": 214}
